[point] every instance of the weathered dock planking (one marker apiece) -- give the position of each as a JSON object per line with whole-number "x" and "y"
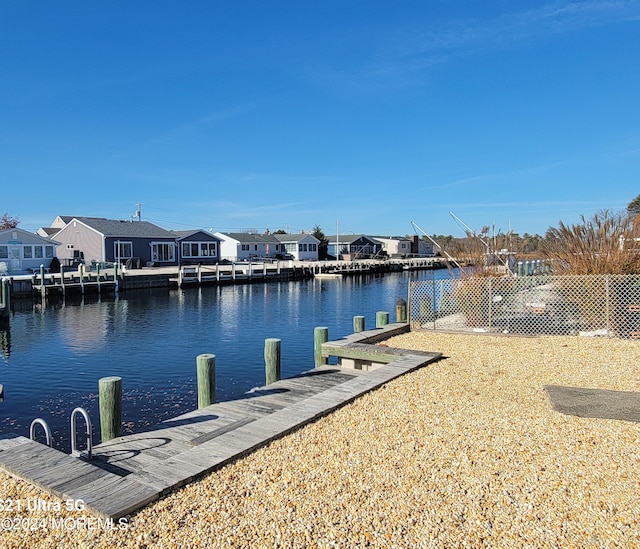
{"x": 130, "y": 471}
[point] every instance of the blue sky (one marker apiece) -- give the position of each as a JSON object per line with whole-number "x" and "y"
{"x": 361, "y": 115}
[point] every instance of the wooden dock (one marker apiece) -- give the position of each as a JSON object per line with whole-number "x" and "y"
{"x": 73, "y": 283}
{"x": 130, "y": 471}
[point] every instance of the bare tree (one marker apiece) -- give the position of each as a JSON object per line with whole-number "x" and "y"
{"x": 8, "y": 222}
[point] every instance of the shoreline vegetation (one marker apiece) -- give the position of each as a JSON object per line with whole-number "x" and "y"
{"x": 466, "y": 451}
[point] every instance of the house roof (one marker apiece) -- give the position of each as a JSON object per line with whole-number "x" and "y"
{"x": 67, "y": 218}
{"x": 130, "y": 229}
{"x": 293, "y": 237}
{"x": 50, "y": 231}
{"x": 392, "y": 238}
{"x": 6, "y": 235}
{"x": 350, "y": 238}
{"x": 251, "y": 238}
{"x": 180, "y": 235}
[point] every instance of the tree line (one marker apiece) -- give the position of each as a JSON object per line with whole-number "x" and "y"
{"x": 608, "y": 242}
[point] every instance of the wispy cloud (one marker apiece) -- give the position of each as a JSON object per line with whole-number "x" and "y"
{"x": 401, "y": 56}
{"x": 189, "y": 127}
{"x": 467, "y": 36}
{"x": 494, "y": 176}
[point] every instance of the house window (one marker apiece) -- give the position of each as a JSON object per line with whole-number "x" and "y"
{"x": 199, "y": 249}
{"x": 4, "y": 252}
{"x": 189, "y": 249}
{"x": 244, "y": 247}
{"x": 208, "y": 249}
{"x": 162, "y": 251}
{"x": 313, "y": 247}
{"x": 37, "y": 252}
{"x": 48, "y": 250}
{"x": 122, "y": 250}
{"x": 27, "y": 252}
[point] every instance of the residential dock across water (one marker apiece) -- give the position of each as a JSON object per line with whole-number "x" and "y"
{"x": 110, "y": 280}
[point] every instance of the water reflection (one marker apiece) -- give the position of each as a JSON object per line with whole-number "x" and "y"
{"x": 5, "y": 341}
{"x": 55, "y": 352}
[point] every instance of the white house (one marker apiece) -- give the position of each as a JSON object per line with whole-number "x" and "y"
{"x": 246, "y": 246}
{"x": 396, "y": 246}
{"x": 21, "y": 251}
{"x": 302, "y": 246}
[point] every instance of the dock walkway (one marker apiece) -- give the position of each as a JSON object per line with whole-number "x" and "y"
{"x": 130, "y": 471}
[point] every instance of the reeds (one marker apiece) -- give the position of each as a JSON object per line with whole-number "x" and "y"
{"x": 607, "y": 243}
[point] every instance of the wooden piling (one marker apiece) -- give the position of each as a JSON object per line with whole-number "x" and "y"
{"x": 5, "y": 310}
{"x": 43, "y": 290}
{"x": 382, "y": 319}
{"x": 272, "y": 354}
{"x": 358, "y": 324}
{"x": 110, "y": 397}
{"x": 206, "y": 370}
{"x": 401, "y": 310}
{"x": 320, "y": 336}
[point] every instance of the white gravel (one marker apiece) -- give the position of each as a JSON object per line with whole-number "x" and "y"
{"x": 466, "y": 452}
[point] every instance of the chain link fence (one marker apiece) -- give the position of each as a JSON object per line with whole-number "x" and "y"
{"x": 591, "y": 305}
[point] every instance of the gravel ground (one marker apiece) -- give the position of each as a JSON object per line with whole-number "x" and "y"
{"x": 466, "y": 452}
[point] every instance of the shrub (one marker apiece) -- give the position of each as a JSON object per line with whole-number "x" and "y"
{"x": 603, "y": 244}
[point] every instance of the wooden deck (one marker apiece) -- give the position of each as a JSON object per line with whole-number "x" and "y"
{"x": 131, "y": 471}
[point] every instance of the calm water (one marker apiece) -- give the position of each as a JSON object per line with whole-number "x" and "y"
{"x": 54, "y": 355}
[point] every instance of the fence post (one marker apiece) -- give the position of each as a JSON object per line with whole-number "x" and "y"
{"x": 358, "y": 324}
{"x": 401, "y": 310}
{"x": 607, "y": 299}
{"x": 320, "y": 336}
{"x": 206, "y": 375}
{"x": 382, "y": 319}
{"x": 110, "y": 399}
{"x": 272, "y": 354}
{"x": 490, "y": 301}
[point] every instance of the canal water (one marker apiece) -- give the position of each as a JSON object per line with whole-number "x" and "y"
{"x": 54, "y": 354}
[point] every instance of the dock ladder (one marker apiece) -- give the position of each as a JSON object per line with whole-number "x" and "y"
{"x": 43, "y": 424}
{"x": 84, "y": 454}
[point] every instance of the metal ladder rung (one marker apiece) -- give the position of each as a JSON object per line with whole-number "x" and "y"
{"x": 43, "y": 424}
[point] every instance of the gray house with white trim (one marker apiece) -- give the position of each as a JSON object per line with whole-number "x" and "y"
{"x": 353, "y": 246}
{"x": 22, "y": 251}
{"x": 197, "y": 247}
{"x": 132, "y": 243}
